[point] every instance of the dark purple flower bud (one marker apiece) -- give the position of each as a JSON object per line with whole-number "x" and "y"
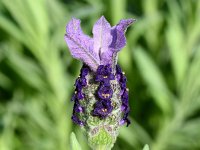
{"x": 118, "y": 77}
{"x": 80, "y": 95}
{"x": 118, "y": 69}
{"x": 73, "y": 97}
{"x": 105, "y": 92}
{"x": 123, "y": 85}
{"x": 122, "y": 91}
{"x": 84, "y": 71}
{"x": 123, "y": 79}
{"x": 77, "y": 120}
{"x": 78, "y": 108}
{"x": 125, "y": 96}
{"x": 102, "y": 108}
{"x": 104, "y": 74}
{"x": 83, "y": 81}
{"x": 100, "y": 69}
{"x": 122, "y": 122}
{"x": 125, "y": 120}
{"x": 124, "y": 107}
{"x": 104, "y": 70}
{"x": 123, "y": 82}
{"x": 78, "y": 84}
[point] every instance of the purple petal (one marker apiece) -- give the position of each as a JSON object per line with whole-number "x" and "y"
{"x": 81, "y": 45}
{"x": 122, "y": 122}
{"x": 102, "y": 38}
{"x": 105, "y": 92}
{"x": 118, "y": 41}
{"x": 118, "y": 34}
{"x": 102, "y": 108}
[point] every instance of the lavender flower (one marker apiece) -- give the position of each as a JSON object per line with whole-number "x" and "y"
{"x": 101, "y": 96}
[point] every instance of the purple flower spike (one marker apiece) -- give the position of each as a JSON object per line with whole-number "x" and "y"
{"x": 98, "y": 50}
{"x": 102, "y": 108}
{"x": 101, "y": 96}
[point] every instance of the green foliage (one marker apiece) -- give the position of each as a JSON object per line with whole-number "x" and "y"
{"x": 74, "y": 143}
{"x": 161, "y": 60}
{"x": 146, "y": 147}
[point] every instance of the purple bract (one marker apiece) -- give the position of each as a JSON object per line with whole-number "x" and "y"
{"x": 100, "y": 49}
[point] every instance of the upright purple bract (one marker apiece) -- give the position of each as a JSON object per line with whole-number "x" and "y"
{"x": 81, "y": 45}
{"x": 106, "y": 41}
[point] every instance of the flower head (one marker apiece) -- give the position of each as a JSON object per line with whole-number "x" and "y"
{"x": 101, "y": 96}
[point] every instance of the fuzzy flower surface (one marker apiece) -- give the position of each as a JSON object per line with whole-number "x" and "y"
{"x": 101, "y": 96}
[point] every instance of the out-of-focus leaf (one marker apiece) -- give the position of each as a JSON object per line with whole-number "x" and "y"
{"x": 184, "y": 138}
{"x": 11, "y": 28}
{"x": 5, "y": 82}
{"x": 74, "y": 143}
{"x": 135, "y": 135}
{"x": 154, "y": 79}
{"x": 190, "y": 89}
{"x": 146, "y": 147}
{"x": 26, "y": 68}
{"x": 176, "y": 38}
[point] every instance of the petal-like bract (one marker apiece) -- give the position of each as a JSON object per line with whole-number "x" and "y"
{"x": 118, "y": 34}
{"x": 81, "y": 45}
{"x": 102, "y": 38}
{"x": 103, "y": 48}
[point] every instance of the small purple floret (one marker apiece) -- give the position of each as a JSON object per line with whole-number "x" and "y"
{"x": 77, "y": 120}
{"x": 104, "y": 74}
{"x": 105, "y": 92}
{"x": 84, "y": 71}
{"x": 124, "y": 94}
{"x": 102, "y": 108}
{"x": 79, "y": 95}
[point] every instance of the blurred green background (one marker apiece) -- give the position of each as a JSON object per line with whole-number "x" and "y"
{"x": 161, "y": 61}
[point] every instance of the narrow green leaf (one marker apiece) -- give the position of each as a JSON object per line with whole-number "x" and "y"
{"x": 154, "y": 80}
{"x": 74, "y": 143}
{"x": 146, "y": 147}
{"x": 176, "y": 41}
{"x": 11, "y": 28}
{"x": 135, "y": 135}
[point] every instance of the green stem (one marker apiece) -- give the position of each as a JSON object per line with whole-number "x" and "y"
{"x": 102, "y": 147}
